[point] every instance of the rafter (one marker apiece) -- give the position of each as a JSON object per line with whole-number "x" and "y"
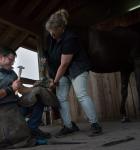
{"x": 30, "y": 7}
{"x": 9, "y": 4}
{"x": 19, "y": 22}
{"x": 47, "y": 9}
{"x": 19, "y": 39}
{"x": 5, "y": 36}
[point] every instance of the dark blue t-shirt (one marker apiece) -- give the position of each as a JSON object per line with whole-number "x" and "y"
{"x": 68, "y": 44}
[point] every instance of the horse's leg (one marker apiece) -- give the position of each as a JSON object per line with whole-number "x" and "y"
{"x": 137, "y": 76}
{"x": 125, "y": 74}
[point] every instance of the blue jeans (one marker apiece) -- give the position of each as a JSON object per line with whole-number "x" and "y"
{"x": 81, "y": 90}
{"x": 36, "y": 112}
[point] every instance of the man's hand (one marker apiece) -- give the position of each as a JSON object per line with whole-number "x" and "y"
{"x": 52, "y": 84}
{"x": 16, "y": 85}
{"x": 10, "y": 89}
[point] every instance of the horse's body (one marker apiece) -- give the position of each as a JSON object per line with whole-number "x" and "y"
{"x": 116, "y": 50}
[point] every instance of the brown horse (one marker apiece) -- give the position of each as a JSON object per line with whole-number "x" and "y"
{"x": 117, "y": 50}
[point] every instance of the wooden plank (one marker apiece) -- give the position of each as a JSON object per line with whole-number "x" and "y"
{"x": 19, "y": 39}
{"x": 93, "y": 92}
{"x": 134, "y": 94}
{"x": 20, "y": 23}
{"x": 30, "y": 7}
{"x": 132, "y": 97}
{"x": 101, "y": 95}
{"x": 8, "y": 4}
{"x": 46, "y": 12}
{"x": 114, "y": 96}
{"x": 6, "y": 36}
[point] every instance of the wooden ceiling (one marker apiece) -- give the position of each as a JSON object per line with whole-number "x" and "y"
{"x": 22, "y": 21}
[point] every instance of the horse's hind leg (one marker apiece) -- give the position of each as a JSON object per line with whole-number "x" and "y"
{"x": 125, "y": 74}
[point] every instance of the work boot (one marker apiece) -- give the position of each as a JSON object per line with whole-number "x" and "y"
{"x": 96, "y": 129}
{"x": 66, "y": 131}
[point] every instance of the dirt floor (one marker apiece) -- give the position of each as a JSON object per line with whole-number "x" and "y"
{"x": 126, "y": 137}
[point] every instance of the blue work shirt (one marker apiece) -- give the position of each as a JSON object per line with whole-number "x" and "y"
{"x": 6, "y": 79}
{"x": 68, "y": 44}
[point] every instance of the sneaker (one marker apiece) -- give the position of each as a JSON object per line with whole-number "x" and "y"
{"x": 66, "y": 131}
{"x": 39, "y": 133}
{"x": 95, "y": 129}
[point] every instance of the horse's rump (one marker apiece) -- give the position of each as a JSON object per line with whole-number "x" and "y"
{"x": 115, "y": 50}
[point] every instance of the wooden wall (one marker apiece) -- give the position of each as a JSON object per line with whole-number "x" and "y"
{"x": 105, "y": 90}
{"x": 125, "y": 20}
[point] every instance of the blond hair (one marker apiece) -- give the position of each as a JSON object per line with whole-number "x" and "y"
{"x": 58, "y": 19}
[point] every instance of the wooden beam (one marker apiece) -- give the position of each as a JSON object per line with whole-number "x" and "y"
{"x": 5, "y": 36}
{"x": 30, "y": 43}
{"x": 30, "y": 7}
{"x": 8, "y": 4}
{"x": 16, "y": 43}
{"x": 47, "y": 9}
{"x": 19, "y": 22}
{"x": 19, "y": 26}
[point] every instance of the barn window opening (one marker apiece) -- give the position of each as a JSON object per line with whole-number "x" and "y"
{"x": 29, "y": 60}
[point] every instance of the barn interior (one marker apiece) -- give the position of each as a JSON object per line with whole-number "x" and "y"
{"x": 22, "y": 22}
{"x": 22, "y": 25}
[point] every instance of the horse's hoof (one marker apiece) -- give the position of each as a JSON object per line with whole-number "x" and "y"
{"x": 125, "y": 119}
